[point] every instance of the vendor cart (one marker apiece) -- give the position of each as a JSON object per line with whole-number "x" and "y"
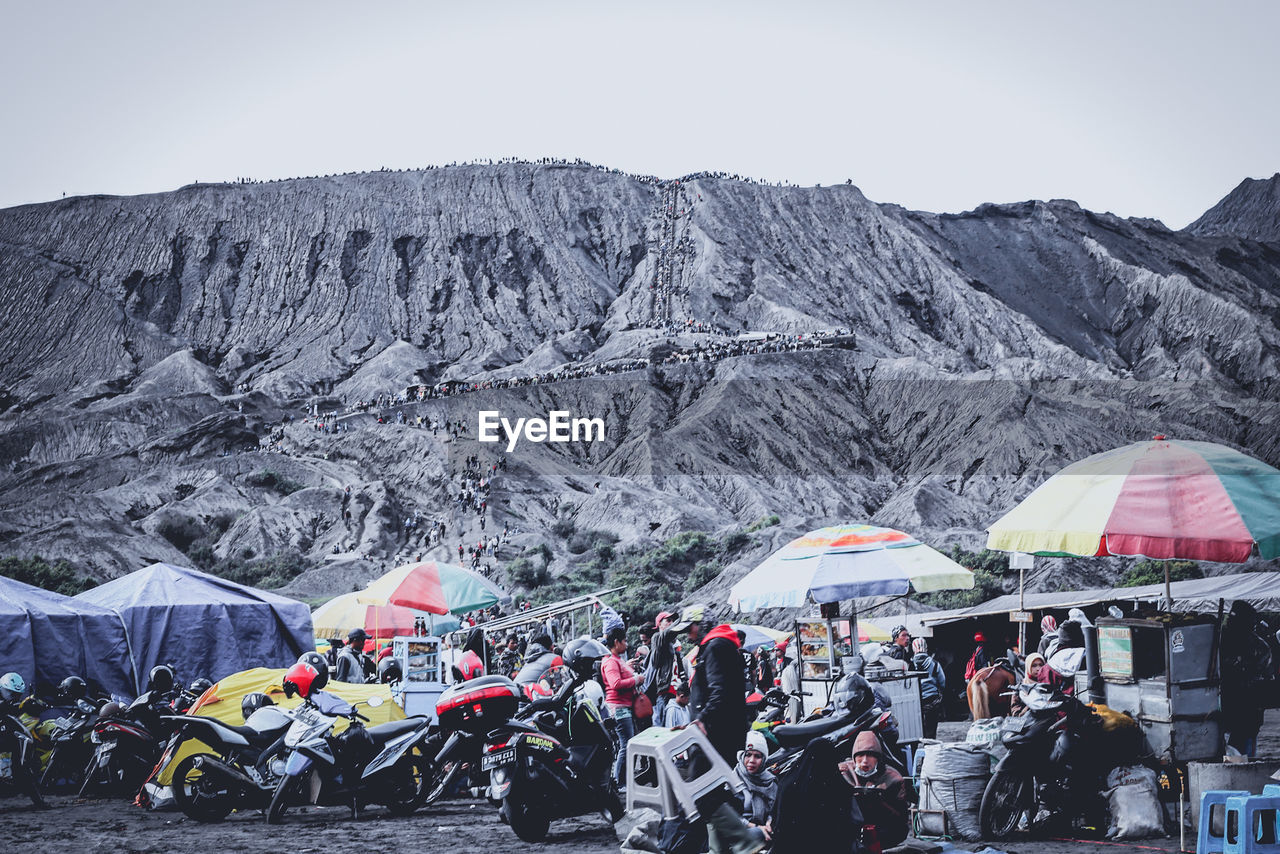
{"x": 826, "y": 653}
{"x": 1163, "y": 671}
{"x": 419, "y": 659}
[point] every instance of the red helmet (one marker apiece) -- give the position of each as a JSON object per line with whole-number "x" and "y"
{"x": 303, "y": 679}
{"x": 469, "y": 666}
{"x": 979, "y": 638}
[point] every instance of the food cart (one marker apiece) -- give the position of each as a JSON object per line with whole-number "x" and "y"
{"x": 1163, "y": 670}
{"x": 419, "y": 659}
{"x": 826, "y": 653}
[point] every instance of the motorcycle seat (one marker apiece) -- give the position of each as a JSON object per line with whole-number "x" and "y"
{"x": 382, "y": 733}
{"x": 219, "y": 729}
{"x": 794, "y": 735}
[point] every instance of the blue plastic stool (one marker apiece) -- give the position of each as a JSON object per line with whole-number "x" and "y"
{"x": 1208, "y": 842}
{"x": 1252, "y": 825}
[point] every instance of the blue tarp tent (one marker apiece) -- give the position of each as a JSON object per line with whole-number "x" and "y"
{"x": 201, "y": 624}
{"x": 47, "y": 636}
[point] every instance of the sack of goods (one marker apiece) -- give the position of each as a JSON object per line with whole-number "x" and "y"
{"x": 1134, "y": 801}
{"x": 986, "y": 734}
{"x": 952, "y": 779}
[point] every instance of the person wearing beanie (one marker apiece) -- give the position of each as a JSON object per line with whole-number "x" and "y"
{"x": 761, "y": 791}
{"x": 933, "y": 684}
{"x": 880, "y": 792}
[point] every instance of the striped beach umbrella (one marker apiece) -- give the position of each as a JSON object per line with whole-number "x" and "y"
{"x": 437, "y": 588}
{"x": 1164, "y": 499}
{"x": 847, "y": 562}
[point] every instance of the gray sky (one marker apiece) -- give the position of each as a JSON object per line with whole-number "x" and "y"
{"x": 1142, "y": 108}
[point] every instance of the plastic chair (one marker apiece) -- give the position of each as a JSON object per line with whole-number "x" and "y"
{"x": 1252, "y": 824}
{"x": 1208, "y": 842}
{"x": 669, "y": 770}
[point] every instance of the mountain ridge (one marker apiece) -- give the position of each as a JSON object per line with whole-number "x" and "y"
{"x": 164, "y": 341}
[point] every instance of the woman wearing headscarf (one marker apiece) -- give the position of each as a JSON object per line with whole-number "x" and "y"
{"x": 1034, "y": 664}
{"x": 761, "y": 791}
{"x": 1048, "y": 634}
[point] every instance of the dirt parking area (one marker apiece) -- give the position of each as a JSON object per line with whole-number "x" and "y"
{"x": 75, "y": 826}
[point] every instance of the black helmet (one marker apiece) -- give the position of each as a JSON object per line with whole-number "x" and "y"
{"x": 853, "y": 694}
{"x": 389, "y": 671}
{"x": 317, "y": 661}
{"x": 109, "y": 710}
{"x": 252, "y": 702}
{"x": 161, "y": 679}
{"x": 73, "y": 688}
{"x": 582, "y": 654}
{"x": 199, "y": 686}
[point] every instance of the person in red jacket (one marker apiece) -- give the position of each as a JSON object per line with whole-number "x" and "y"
{"x": 619, "y": 695}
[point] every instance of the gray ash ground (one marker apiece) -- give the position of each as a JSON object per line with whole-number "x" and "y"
{"x": 94, "y": 826}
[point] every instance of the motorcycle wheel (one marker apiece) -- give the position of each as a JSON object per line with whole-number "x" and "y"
{"x": 409, "y": 781}
{"x": 441, "y": 778}
{"x": 1003, "y": 803}
{"x": 191, "y": 792}
{"x": 527, "y": 825}
{"x": 286, "y": 792}
{"x": 614, "y": 808}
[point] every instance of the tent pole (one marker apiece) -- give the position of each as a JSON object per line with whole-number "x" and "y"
{"x": 1168, "y": 594}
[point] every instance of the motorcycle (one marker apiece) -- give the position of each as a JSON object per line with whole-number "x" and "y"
{"x": 239, "y": 768}
{"x": 1047, "y": 773}
{"x": 387, "y": 763}
{"x": 127, "y": 743}
{"x": 71, "y": 747}
{"x": 554, "y": 761}
{"x": 21, "y": 769}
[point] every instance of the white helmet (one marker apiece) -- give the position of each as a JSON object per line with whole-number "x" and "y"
{"x": 12, "y": 686}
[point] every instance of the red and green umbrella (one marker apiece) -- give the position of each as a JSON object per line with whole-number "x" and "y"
{"x": 437, "y": 588}
{"x": 1164, "y": 499}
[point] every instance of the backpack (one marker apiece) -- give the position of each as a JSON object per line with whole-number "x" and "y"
{"x": 973, "y": 666}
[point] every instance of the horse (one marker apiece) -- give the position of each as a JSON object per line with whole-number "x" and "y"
{"x": 986, "y": 691}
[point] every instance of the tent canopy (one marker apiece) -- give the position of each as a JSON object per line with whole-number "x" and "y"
{"x": 1259, "y": 589}
{"x": 203, "y": 625}
{"x": 222, "y": 702}
{"x": 47, "y": 636}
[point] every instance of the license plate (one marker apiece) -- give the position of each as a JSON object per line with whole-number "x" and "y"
{"x": 501, "y": 757}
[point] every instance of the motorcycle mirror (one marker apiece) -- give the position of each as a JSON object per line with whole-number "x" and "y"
{"x": 374, "y": 702}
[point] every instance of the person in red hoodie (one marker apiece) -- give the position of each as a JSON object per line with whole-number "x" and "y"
{"x": 619, "y": 695}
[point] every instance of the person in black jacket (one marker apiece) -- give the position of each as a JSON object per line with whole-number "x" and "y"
{"x": 720, "y": 711}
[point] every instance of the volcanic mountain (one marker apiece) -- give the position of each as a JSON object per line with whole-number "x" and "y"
{"x": 180, "y": 372}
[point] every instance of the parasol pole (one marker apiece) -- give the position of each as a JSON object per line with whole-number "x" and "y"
{"x": 1023, "y": 562}
{"x": 1168, "y": 593}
